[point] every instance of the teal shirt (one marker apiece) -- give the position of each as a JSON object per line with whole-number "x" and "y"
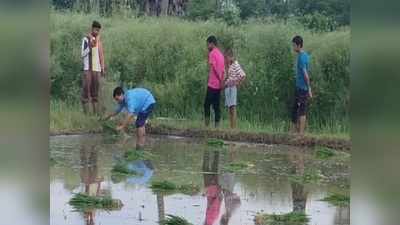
{"x": 303, "y": 60}
{"x": 136, "y": 101}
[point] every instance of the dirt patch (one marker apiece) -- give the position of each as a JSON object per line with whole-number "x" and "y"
{"x": 262, "y": 138}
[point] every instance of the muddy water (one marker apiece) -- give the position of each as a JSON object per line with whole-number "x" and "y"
{"x": 82, "y": 164}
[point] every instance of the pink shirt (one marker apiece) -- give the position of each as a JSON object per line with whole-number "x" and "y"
{"x": 217, "y": 68}
{"x": 213, "y": 204}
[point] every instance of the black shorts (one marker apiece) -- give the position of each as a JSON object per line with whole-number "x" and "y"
{"x": 300, "y": 104}
{"x": 143, "y": 116}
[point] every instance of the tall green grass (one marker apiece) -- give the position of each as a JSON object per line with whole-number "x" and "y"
{"x": 169, "y": 55}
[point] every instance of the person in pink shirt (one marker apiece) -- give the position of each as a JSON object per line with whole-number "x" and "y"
{"x": 216, "y": 65}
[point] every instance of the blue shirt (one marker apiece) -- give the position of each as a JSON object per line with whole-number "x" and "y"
{"x": 136, "y": 101}
{"x": 303, "y": 60}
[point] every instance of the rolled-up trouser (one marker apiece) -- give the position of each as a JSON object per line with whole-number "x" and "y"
{"x": 300, "y": 104}
{"x": 90, "y": 86}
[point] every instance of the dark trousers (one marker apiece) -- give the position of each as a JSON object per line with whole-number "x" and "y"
{"x": 212, "y": 98}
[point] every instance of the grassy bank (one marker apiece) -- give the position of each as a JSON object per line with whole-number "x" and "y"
{"x": 69, "y": 119}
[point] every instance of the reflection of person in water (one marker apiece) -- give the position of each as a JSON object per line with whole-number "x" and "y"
{"x": 231, "y": 199}
{"x": 299, "y": 195}
{"x": 89, "y": 176}
{"x": 144, "y": 170}
{"x": 213, "y": 189}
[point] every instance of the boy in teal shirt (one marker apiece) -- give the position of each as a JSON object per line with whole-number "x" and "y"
{"x": 137, "y": 102}
{"x": 303, "y": 87}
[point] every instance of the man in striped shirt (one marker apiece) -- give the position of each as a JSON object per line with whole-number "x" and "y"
{"x": 93, "y": 67}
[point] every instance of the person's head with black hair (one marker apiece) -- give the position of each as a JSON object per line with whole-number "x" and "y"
{"x": 211, "y": 42}
{"x": 229, "y": 56}
{"x": 96, "y": 26}
{"x": 118, "y": 94}
{"x": 297, "y": 43}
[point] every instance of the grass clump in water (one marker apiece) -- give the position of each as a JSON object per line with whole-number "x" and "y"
{"x": 83, "y": 202}
{"x": 133, "y": 155}
{"x": 215, "y": 142}
{"x": 189, "y": 189}
{"x": 174, "y": 220}
{"x": 324, "y": 153}
{"x": 122, "y": 169}
{"x": 237, "y": 167}
{"x": 339, "y": 200}
{"x": 309, "y": 177}
{"x": 169, "y": 187}
{"x": 293, "y": 218}
{"x": 163, "y": 186}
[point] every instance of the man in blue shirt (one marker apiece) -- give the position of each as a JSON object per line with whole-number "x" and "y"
{"x": 137, "y": 102}
{"x": 303, "y": 87}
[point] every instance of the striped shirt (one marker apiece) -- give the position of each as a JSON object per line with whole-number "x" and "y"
{"x": 235, "y": 74}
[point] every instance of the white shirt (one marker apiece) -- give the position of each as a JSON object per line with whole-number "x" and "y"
{"x": 95, "y": 56}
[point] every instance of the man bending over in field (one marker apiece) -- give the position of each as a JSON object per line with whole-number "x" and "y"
{"x": 137, "y": 102}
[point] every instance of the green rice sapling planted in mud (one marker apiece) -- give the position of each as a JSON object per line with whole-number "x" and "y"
{"x": 339, "y": 200}
{"x": 83, "y": 202}
{"x": 215, "y": 142}
{"x": 293, "y": 218}
{"x": 174, "y": 220}
{"x": 132, "y": 155}
{"x": 168, "y": 186}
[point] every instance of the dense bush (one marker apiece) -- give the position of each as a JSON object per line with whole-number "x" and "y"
{"x": 169, "y": 57}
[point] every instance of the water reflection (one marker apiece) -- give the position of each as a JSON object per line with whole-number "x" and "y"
{"x": 219, "y": 190}
{"x": 299, "y": 194}
{"x": 89, "y": 176}
{"x": 228, "y": 199}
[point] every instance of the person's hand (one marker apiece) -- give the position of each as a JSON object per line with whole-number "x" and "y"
{"x": 310, "y": 93}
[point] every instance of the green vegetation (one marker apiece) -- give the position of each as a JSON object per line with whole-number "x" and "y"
{"x": 339, "y": 200}
{"x": 120, "y": 172}
{"x": 324, "y": 153}
{"x": 170, "y": 187}
{"x": 83, "y": 202}
{"x": 122, "y": 169}
{"x": 163, "y": 186}
{"x": 293, "y": 218}
{"x": 109, "y": 127}
{"x": 237, "y": 167}
{"x": 230, "y": 11}
{"x": 310, "y": 176}
{"x": 174, "y": 66}
{"x": 133, "y": 155}
{"x": 215, "y": 142}
{"x": 175, "y": 220}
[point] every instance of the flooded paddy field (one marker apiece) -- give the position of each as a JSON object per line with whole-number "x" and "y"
{"x": 234, "y": 182}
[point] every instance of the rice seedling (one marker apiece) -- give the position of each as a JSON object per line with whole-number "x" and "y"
{"x": 292, "y": 218}
{"x": 324, "y": 153}
{"x": 83, "y": 202}
{"x": 133, "y": 155}
{"x": 237, "y": 167}
{"x": 336, "y": 199}
{"x": 174, "y": 220}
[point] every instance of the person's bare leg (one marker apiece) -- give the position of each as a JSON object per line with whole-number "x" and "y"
{"x": 94, "y": 106}
{"x": 85, "y": 108}
{"x": 232, "y": 116}
{"x": 140, "y": 135}
{"x": 302, "y": 125}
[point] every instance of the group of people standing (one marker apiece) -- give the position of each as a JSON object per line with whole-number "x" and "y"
{"x": 225, "y": 74}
